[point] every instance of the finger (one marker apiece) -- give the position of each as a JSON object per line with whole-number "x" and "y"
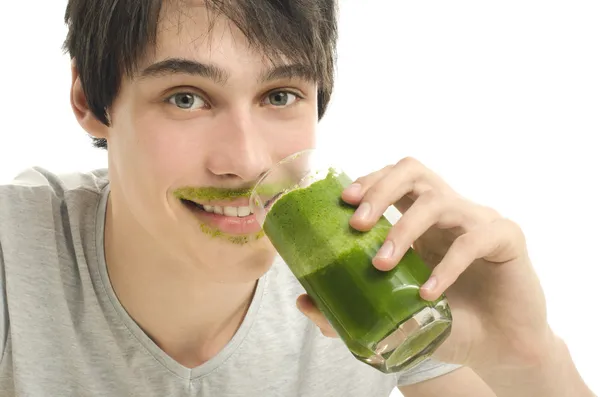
{"x": 354, "y": 193}
{"x": 310, "y": 310}
{"x": 430, "y": 209}
{"x": 496, "y": 240}
{"x": 428, "y": 180}
{"x": 403, "y": 184}
{"x": 395, "y": 184}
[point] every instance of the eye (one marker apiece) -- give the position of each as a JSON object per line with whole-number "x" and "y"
{"x": 280, "y": 98}
{"x": 187, "y": 101}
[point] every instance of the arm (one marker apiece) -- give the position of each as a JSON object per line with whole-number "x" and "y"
{"x": 460, "y": 383}
{"x": 552, "y": 374}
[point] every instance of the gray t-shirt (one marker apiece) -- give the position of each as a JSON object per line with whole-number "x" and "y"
{"x": 64, "y": 333}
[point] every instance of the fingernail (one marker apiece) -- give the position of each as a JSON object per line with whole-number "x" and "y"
{"x": 354, "y": 189}
{"x": 363, "y": 211}
{"x": 386, "y": 250}
{"x": 430, "y": 284}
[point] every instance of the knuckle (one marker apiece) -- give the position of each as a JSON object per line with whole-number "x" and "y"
{"x": 463, "y": 244}
{"x": 414, "y": 168}
{"x": 374, "y": 191}
{"x": 368, "y": 179}
{"x": 489, "y": 213}
{"x": 514, "y": 229}
{"x": 473, "y": 214}
{"x": 430, "y": 196}
{"x": 387, "y": 168}
{"x": 512, "y": 224}
{"x": 435, "y": 200}
{"x": 409, "y": 162}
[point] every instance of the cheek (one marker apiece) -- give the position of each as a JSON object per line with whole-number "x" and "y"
{"x": 291, "y": 136}
{"x": 169, "y": 147}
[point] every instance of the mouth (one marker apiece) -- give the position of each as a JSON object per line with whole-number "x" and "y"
{"x": 225, "y": 211}
{"x": 234, "y": 217}
{"x": 230, "y": 222}
{"x": 239, "y": 211}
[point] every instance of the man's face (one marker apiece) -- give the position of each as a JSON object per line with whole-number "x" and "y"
{"x": 204, "y": 111}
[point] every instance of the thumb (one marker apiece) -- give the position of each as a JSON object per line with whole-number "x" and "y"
{"x": 306, "y": 305}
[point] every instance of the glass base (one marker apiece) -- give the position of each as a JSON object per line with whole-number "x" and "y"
{"x": 413, "y": 341}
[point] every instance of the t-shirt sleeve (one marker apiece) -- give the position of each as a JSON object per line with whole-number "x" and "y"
{"x": 428, "y": 369}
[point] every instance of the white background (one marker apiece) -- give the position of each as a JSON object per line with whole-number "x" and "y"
{"x": 501, "y": 98}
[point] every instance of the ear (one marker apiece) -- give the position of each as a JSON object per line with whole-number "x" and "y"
{"x": 80, "y": 107}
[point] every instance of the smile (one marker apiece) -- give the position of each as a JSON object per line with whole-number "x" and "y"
{"x": 224, "y": 220}
{"x": 231, "y": 211}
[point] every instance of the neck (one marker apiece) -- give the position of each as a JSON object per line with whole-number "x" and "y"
{"x": 188, "y": 316}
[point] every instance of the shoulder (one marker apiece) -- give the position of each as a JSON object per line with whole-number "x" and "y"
{"x": 46, "y": 219}
{"x": 37, "y": 191}
{"x": 29, "y": 205}
{"x": 40, "y": 209}
{"x": 40, "y": 212}
{"x": 40, "y": 182}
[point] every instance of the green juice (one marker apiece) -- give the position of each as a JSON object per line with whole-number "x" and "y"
{"x": 310, "y": 229}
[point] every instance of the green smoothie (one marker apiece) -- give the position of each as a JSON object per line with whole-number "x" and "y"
{"x": 310, "y": 229}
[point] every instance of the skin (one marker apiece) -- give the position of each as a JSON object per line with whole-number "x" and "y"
{"x": 186, "y": 289}
{"x": 189, "y": 291}
{"x": 208, "y": 195}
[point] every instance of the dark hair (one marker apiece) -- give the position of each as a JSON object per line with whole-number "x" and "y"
{"x": 107, "y": 38}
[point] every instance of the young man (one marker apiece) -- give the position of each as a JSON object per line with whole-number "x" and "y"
{"x": 113, "y": 285}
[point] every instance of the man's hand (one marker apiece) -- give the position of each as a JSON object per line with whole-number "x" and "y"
{"x": 479, "y": 260}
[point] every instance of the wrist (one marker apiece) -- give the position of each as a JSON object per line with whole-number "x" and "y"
{"x": 550, "y": 372}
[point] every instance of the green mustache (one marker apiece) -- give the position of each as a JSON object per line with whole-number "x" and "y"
{"x": 210, "y": 193}
{"x": 215, "y": 193}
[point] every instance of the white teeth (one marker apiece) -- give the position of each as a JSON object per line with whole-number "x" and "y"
{"x": 231, "y": 211}
{"x": 228, "y": 211}
{"x": 243, "y": 211}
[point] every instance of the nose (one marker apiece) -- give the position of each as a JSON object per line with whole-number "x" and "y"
{"x": 239, "y": 149}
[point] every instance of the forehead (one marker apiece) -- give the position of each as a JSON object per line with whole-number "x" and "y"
{"x": 190, "y": 30}
{"x": 194, "y": 39}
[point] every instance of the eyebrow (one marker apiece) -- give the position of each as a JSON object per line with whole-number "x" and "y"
{"x": 291, "y": 71}
{"x": 220, "y": 76}
{"x": 185, "y": 66}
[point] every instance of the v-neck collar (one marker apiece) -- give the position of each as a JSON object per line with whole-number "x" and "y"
{"x": 144, "y": 340}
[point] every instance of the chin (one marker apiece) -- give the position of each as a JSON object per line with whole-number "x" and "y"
{"x": 236, "y": 258}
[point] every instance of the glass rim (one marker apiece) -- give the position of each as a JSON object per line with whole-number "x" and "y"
{"x": 278, "y": 164}
{"x": 257, "y": 202}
